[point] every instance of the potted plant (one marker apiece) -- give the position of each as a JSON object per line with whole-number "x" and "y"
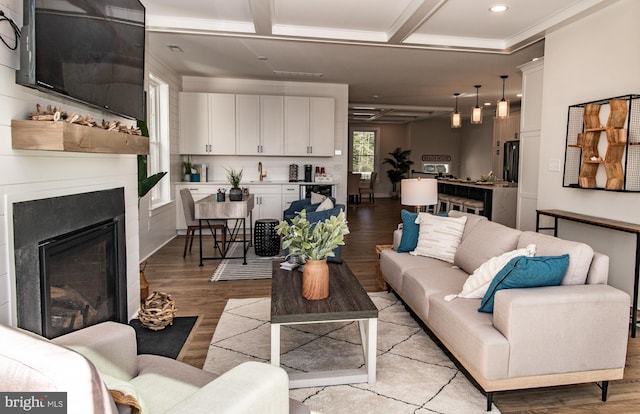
{"x": 313, "y": 243}
{"x": 187, "y": 166}
{"x": 145, "y": 184}
{"x": 400, "y": 166}
{"x": 234, "y": 177}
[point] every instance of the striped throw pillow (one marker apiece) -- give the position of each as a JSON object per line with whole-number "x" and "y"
{"x": 439, "y": 237}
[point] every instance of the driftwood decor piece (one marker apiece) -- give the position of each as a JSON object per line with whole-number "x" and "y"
{"x": 157, "y": 311}
{"x": 53, "y": 130}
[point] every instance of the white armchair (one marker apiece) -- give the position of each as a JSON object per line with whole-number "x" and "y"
{"x": 146, "y": 383}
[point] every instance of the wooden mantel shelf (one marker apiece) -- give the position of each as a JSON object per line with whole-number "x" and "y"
{"x": 62, "y": 136}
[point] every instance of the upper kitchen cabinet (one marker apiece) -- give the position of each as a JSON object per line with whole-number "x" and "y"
{"x": 207, "y": 123}
{"x": 259, "y": 125}
{"x": 309, "y": 126}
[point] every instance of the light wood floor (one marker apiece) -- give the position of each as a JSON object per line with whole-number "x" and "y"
{"x": 370, "y": 225}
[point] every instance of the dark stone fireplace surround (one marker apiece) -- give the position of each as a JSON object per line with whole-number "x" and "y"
{"x": 38, "y": 220}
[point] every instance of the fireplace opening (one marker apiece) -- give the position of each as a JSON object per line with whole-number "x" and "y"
{"x": 78, "y": 279}
{"x": 78, "y": 243}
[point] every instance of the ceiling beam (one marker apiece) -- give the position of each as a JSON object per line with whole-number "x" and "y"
{"x": 412, "y": 18}
{"x": 262, "y": 14}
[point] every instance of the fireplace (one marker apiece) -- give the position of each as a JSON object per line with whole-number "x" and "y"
{"x": 70, "y": 261}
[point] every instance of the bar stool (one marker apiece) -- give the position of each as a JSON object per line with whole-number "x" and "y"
{"x": 443, "y": 203}
{"x": 457, "y": 203}
{"x": 475, "y": 206}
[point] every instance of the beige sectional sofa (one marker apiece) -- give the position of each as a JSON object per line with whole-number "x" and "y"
{"x": 543, "y": 336}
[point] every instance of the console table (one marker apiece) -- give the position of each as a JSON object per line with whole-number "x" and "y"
{"x": 606, "y": 223}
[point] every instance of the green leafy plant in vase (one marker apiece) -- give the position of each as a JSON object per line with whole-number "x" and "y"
{"x": 313, "y": 243}
{"x": 235, "y": 177}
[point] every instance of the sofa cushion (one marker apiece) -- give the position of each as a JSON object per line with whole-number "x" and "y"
{"x": 439, "y": 237}
{"x": 420, "y": 283}
{"x": 580, "y": 254}
{"x": 472, "y": 220}
{"x": 478, "y": 282}
{"x": 393, "y": 266}
{"x": 327, "y": 204}
{"x": 410, "y": 231}
{"x": 487, "y": 239}
{"x": 526, "y": 272}
{"x": 163, "y": 382}
{"x": 471, "y": 335}
{"x": 317, "y": 198}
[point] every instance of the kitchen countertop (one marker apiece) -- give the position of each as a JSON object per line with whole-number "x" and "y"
{"x": 256, "y": 182}
{"x": 479, "y": 184}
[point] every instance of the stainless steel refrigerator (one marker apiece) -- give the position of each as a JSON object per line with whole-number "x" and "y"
{"x": 511, "y": 156}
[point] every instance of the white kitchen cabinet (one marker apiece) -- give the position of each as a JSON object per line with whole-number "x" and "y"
{"x": 322, "y": 130}
{"x": 309, "y": 126}
{"x": 248, "y": 124}
{"x": 194, "y": 125}
{"x": 207, "y": 123}
{"x": 290, "y": 193}
{"x": 259, "y": 125}
{"x": 296, "y": 125}
{"x": 268, "y": 202}
{"x": 272, "y": 125}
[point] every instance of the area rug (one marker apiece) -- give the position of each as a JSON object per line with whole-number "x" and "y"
{"x": 166, "y": 342}
{"x": 413, "y": 374}
{"x": 257, "y": 267}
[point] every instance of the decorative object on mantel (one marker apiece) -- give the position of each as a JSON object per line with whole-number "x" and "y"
{"x": 313, "y": 242}
{"x": 157, "y": 311}
{"x": 234, "y": 177}
{"x": 55, "y": 114}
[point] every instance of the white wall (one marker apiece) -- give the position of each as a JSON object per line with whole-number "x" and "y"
{"x": 593, "y": 58}
{"x": 277, "y": 168}
{"x": 28, "y": 175}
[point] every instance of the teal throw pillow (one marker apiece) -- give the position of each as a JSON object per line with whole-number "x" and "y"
{"x": 525, "y": 272}
{"x": 410, "y": 231}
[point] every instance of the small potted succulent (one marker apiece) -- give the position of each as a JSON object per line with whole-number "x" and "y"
{"x": 234, "y": 177}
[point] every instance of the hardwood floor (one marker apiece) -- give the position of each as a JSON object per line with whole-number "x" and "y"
{"x": 370, "y": 225}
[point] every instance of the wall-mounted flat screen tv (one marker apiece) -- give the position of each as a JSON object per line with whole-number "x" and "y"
{"x": 91, "y": 51}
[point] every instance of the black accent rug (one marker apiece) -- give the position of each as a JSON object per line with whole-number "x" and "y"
{"x": 167, "y": 342}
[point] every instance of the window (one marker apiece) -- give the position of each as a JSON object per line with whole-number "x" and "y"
{"x": 363, "y": 151}
{"x": 158, "y": 124}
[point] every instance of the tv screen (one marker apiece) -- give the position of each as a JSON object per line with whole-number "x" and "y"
{"x": 91, "y": 51}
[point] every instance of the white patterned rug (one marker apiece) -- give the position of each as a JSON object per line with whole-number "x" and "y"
{"x": 413, "y": 374}
{"x": 257, "y": 267}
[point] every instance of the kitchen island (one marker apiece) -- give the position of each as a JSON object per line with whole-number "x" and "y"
{"x": 500, "y": 202}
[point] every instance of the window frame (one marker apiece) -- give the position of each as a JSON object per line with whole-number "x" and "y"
{"x": 366, "y": 175}
{"x": 159, "y": 141}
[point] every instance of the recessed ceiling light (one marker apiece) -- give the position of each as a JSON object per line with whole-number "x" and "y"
{"x": 487, "y": 104}
{"x": 519, "y": 95}
{"x": 499, "y": 8}
{"x": 263, "y": 58}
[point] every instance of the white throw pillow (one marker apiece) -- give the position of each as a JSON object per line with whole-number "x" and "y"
{"x": 478, "y": 282}
{"x": 439, "y": 237}
{"x": 327, "y": 204}
{"x": 317, "y": 198}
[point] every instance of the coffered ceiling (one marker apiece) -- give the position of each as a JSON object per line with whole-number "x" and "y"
{"x": 402, "y": 59}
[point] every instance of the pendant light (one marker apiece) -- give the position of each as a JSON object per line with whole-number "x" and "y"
{"x": 476, "y": 111}
{"x": 502, "y": 110}
{"x": 456, "y": 118}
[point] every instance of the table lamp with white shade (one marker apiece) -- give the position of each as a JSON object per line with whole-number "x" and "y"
{"x": 419, "y": 192}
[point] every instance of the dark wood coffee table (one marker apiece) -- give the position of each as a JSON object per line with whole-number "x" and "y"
{"x": 347, "y": 301}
